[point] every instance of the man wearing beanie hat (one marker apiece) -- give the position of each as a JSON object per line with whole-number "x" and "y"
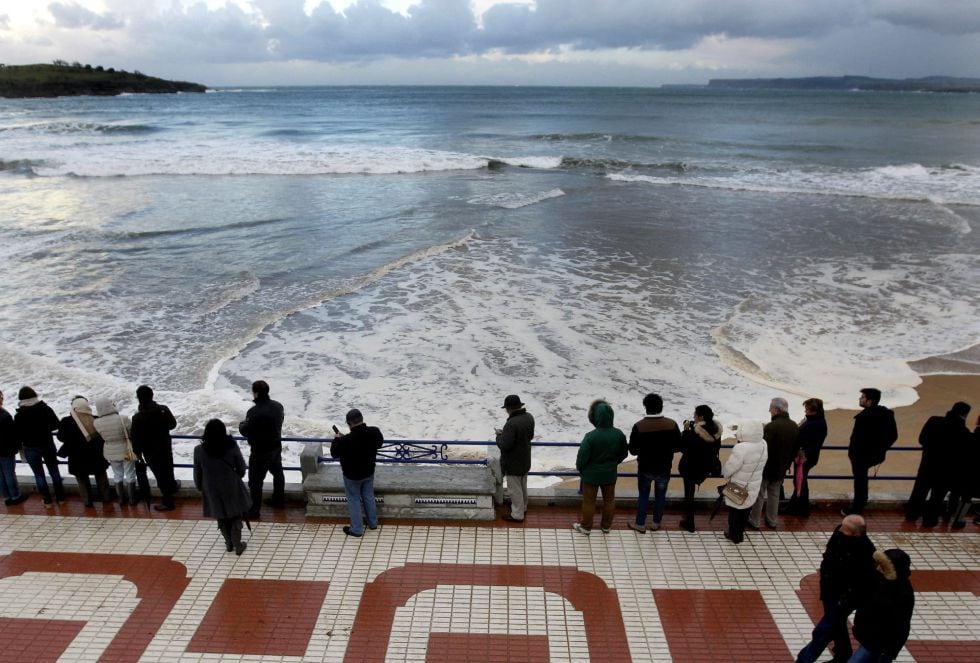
{"x": 514, "y": 441}
{"x": 882, "y": 624}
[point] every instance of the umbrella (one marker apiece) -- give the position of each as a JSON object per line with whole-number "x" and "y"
{"x": 798, "y": 476}
{"x": 718, "y": 502}
{"x": 142, "y": 481}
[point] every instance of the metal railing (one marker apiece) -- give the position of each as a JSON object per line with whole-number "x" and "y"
{"x": 436, "y": 452}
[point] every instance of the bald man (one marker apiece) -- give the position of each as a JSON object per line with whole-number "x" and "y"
{"x": 847, "y": 576}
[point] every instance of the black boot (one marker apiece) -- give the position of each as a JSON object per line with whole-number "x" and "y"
{"x": 123, "y": 494}
{"x": 134, "y": 493}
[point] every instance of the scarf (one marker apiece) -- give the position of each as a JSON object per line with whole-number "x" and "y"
{"x": 28, "y": 402}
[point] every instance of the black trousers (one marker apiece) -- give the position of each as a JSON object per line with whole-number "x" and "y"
{"x": 161, "y": 463}
{"x": 261, "y": 463}
{"x": 737, "y": 518}
{"x": 860, "y": 472}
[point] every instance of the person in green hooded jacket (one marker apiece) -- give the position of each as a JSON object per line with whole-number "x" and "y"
{"x": 598, "y": 456}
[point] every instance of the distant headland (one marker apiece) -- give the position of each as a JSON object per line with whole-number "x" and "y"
{"x": 927, "y": 84}
{"x": 61, "y": 79}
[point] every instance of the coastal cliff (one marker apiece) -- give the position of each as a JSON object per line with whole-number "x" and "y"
{"x": 927, "y": 84}
{"x": 65, "y": 80}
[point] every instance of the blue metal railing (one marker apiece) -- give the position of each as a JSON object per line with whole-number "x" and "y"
{"x": 435, "y": 452}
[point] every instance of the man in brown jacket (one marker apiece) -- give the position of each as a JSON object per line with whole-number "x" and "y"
{"x": 781, "y": 436}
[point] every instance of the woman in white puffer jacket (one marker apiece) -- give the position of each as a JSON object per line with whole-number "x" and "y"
{"x": 114, "y": 429}
{"x": 744, "y": 467}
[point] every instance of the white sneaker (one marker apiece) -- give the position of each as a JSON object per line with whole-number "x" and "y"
{"x": 654, "y": 527}
{"x": 606, "y": 530}
{"x": 642, "y": 529}
{"x": 581, "y": 530}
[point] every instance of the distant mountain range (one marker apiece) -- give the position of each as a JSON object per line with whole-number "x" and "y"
{"x": 64, "y": 80}
{"x": 927, "y": 84}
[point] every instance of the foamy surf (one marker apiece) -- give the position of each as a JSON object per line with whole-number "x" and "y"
{"x": 510, "y": 200}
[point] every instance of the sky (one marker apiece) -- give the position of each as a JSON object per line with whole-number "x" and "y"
{"x": 496, "y": 42}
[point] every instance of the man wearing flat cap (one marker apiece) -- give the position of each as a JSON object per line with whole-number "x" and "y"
{"x": 514, "y": 441}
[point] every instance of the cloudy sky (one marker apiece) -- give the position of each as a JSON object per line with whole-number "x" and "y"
{"x": 519, "y": 42}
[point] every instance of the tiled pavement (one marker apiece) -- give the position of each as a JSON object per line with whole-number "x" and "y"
{"x": 127, "y": 584}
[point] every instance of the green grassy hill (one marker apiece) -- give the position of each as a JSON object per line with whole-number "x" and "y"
{"x": 64, "y": 80}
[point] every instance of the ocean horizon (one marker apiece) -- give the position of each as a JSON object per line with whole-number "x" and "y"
{"x": 421, "y": 251}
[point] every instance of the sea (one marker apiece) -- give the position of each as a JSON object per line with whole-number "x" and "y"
{"x": 420, "y": 252}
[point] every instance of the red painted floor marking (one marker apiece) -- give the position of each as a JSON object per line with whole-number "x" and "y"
{"x": 261, "y": 617}
{"x": 599, "y": 604}
{"x": 39, "y": 640}
{"x": 710, "y": 625}
{"x": 159, "y": 583}
{"x": 487, "y": 648}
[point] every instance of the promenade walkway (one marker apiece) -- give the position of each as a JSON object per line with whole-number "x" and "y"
{"x": 128, "y": 584}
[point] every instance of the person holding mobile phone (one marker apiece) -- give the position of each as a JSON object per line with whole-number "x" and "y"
{"x": 356, "y": 452}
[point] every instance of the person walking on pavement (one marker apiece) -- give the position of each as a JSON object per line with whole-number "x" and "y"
{"x": 218, "y": 472}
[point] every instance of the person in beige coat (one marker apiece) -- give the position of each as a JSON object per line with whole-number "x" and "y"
{"x": 744, "y": 467}
{"x": 114, "y": 429}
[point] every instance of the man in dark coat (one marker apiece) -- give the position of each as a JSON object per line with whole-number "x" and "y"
{"x": 943, "y": 441}
{"x": 882, "y": 624}
{"x": 781, "y": 435}
{"x": 873, "y": 435}
{"x": 653, "y": 440}
{"x": 514, "y": 442}
{"x": 966, "y": 478}
{"x": 847, "y": 574}
{"x": 356, "y": 452}
{"x": 150, "y": 436}
{"x": 263, "y": 430}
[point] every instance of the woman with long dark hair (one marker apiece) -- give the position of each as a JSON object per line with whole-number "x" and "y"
{"x": 701, "y": 444}
{"x": 218, "y": 472}
{"x": 813, "y": 432}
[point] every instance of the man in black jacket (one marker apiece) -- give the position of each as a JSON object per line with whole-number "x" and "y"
{"x": 847, "y": 574}
{"x": 263, "y": 430}
{"x": 514, "y": 442}
{"x": 150, "y": 436}
{"x": 356, "y": 452}
{"x": 873, "y": 435}
{"x": 943, "y": 441}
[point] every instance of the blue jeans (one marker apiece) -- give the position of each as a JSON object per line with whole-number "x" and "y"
{"x": 643, "y": 482}
{"x": 831, "y": 627}
{"x": 863, "y": 655}
{"x": 38, "y": 459}
{"x": 8, "y": 478}
{"x": 361, "y": 492}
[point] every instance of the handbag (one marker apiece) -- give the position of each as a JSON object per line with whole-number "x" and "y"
{"x": 735, "y": 492}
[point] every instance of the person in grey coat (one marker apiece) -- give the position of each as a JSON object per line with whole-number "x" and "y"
{"x": 218, "y": 471}
{"x": 514, "y": 441}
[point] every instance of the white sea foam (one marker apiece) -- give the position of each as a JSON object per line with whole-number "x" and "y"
{"x": 954, "y": 185}
{"x": 512, "y": 200}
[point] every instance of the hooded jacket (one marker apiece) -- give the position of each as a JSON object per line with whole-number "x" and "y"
{"x": 113, "y": 428}
{"x": 746, "y": 462}
{"x": 883, "y": 623}
{"x": 602, "y": 449}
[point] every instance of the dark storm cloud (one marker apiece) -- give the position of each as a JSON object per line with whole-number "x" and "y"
{"x": 660, "y": 24}
{"x": 73, "y": 15}
{"x": 958, "y": 17}
{"x": 280, "y": 30}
